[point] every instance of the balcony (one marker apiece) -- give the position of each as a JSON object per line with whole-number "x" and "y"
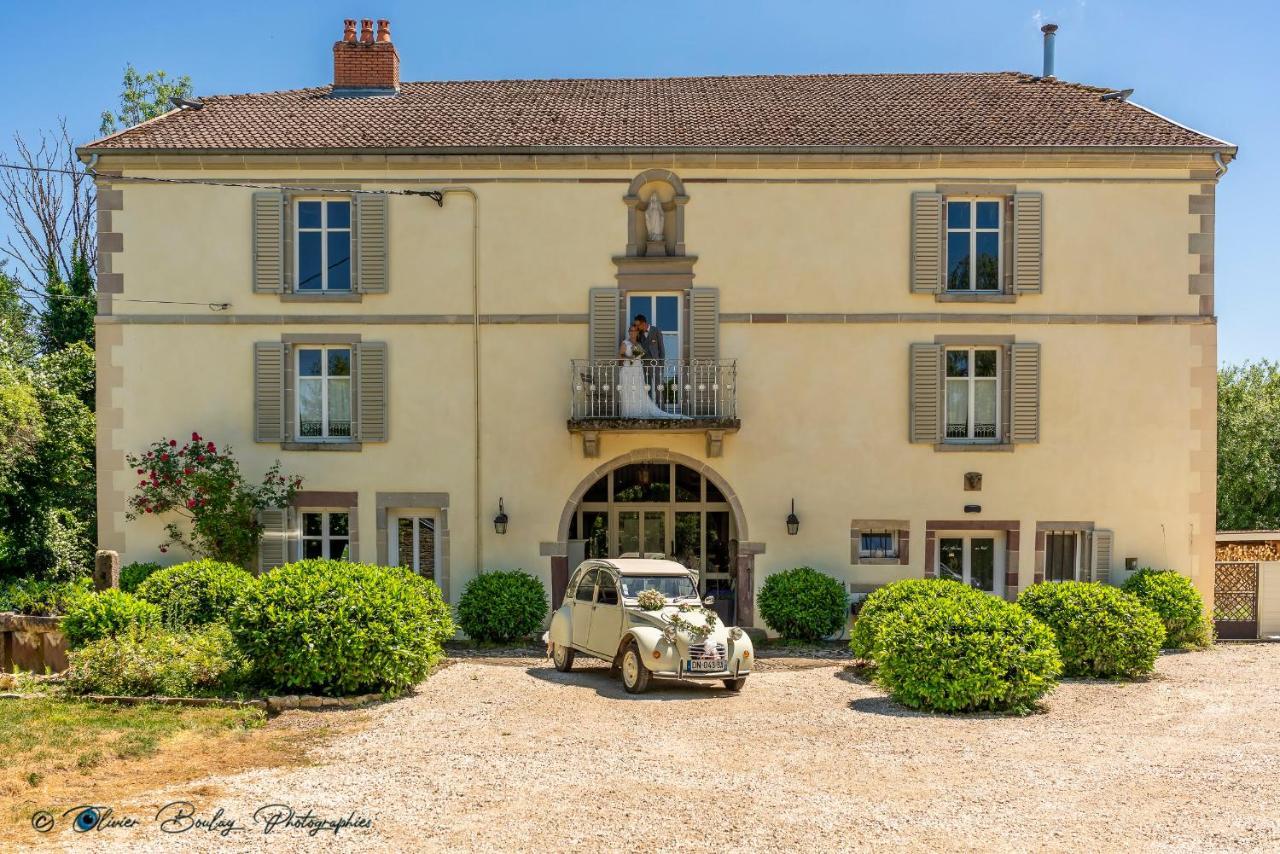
{"x": 679, "y": 396}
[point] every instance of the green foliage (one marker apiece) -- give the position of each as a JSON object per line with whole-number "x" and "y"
{"x": 145, "y": 662}
{"x": 502, "y": 606}
{"x": 1100, "y": 630}
{"x": 197, "y": 592}
{"x": 70, "y": 305}
{"x": 103, "y": 615}
{"x": 965, "y": 654}
{"x": 21, "y": 423}
{"x": 17, "y": 343}
{"x": 863, "y": 638}
{"x": 803, "y": 604}
{"x": 342, "y": 628}
{"x": 216, "y": 506}
{"x": 1249, "y": 446}
{"x": 1177, "y": 602}
{"x": 42, "y": 598}
{"x": 142, "y": 97}
{"x": 133, "y": 574}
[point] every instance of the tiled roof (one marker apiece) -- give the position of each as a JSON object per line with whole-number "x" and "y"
{"x": 829, "y": 110}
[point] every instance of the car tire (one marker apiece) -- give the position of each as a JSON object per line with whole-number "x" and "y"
{"x": 635, "y": 676}
{"x": 735, "y": 685}
{"x": 562, "y": 657}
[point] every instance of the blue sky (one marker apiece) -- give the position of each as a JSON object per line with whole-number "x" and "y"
{"x": 1210, "y": 67}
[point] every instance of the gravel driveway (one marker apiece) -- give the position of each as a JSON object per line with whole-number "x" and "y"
{"x": 511, "y": 755}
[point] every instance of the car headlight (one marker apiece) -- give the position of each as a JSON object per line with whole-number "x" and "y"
{"x": 735, "y": 633}
{"x": 669, "y": 634}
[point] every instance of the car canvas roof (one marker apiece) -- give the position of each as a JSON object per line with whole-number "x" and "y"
{"x": 646, "y": 566}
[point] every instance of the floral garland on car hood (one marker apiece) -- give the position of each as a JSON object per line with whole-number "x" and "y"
{"x": 696, "y": 632}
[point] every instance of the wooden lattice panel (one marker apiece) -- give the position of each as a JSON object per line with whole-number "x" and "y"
{"x": 1235, "y": 592}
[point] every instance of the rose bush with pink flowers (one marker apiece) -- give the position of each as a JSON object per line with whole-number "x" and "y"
{"x": 203, "y": 486}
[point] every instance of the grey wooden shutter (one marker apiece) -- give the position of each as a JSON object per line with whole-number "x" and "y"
{"x": 1025, "y": 398}
{"x": 372, "y": 250}
{"x": 926, "y": 243}
{"x": 273, "y": 547}
{"x": 371, "y": 380}
{"x": 268, "y": 242}
{"x": 704, "y": 324}
{"x": 1101, "y": 557}
{"x": 603, "y": 307}
{"x": 1028, "y": 243}
{"x": 926, "y": 393}
{"x": 268, "y": 391}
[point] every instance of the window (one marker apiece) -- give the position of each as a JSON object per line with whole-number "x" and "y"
{"x": 973, "y": 245}
{"x": 587, "y": 587}
{"x": 608, "y": 592}
{"x": 878, "y": 544}
{"x": 662, "y": 312}
{"x": 973, "y": 394}
{"x": 416, "y": 544}
{"x": 1062, "y": 555}
{"x": 326, "y": 534}
{"x": 323, "y": 253}
{"x": 324, "y": 392}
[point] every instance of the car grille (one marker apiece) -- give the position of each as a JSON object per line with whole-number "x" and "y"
{"x": 706, "y": 650}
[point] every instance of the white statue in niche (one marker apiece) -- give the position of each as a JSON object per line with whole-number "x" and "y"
{"x": 654, "y": 217}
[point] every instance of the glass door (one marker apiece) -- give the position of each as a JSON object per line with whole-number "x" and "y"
{"x": 973, "y": 559}
{"x": 641, "y": 532}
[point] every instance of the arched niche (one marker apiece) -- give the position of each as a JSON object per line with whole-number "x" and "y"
{"x": 662, "y": 187}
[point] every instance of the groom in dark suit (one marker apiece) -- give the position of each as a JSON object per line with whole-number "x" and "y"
{"x": 655, "y": 358}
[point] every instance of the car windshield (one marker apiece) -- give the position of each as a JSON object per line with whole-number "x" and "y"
{"x": 670, "y": 586}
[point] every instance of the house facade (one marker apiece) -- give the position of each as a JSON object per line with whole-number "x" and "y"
{"x": 953, "y": 325}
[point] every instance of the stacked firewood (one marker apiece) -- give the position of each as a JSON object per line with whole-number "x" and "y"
{"x": 1269, "y": 550}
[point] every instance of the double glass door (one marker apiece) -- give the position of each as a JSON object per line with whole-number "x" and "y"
{"x": 975, "y": 559}
{"x": 643, "y": 532}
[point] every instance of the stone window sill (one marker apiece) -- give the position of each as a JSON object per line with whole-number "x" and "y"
{"x": 973, "y": 447}
{"x": 322, "y": 297}
{"x": 878, "y": 561}
{"x": 322, "y": 446}
{"x": 952, "y": 296}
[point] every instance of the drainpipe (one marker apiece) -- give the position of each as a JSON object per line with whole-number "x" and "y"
{"x": 1222, "y": 166}
{"x": 475, "y": 352}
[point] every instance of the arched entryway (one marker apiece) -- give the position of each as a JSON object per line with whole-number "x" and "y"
{"x": 655, "y": 502}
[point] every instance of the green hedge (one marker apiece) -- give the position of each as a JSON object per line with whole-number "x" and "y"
{"x": 38, "y": 598}
{"x": 803, "y": 604}
{"x": 502, "y": 606}
{"x": 196, "y": 593}
{"x": 962, "y": 654}
{"x": 1177, "y": 602}
{"x": 135, "y": 573}
{"x": 144, "y": 662}
{"x": 95, "y": 616}
{"x": 1100, "y": 630}
{"x": 885, "y": 600}
{"x": 342, "y": 628}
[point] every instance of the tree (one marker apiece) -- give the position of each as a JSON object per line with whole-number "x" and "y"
{"x": 142, "y": 97}
{"x": 1249, "y": 446}
{"x": 69, "y": 307}
{"x": 17, "y": 344}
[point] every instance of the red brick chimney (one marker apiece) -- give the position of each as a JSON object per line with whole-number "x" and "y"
{"x": 366, "y": 65}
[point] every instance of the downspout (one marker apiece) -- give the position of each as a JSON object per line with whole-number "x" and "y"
{"x": 475, "y": 351}
{"x": 1222, "y": 166}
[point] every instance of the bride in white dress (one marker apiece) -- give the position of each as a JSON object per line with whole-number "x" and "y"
{"x": 633, "y": 399}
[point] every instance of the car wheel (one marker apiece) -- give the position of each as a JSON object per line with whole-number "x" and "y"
{"x": 735, "y": 685}
{"x": 635, "y": 676}
{"x": 563, "y": 657}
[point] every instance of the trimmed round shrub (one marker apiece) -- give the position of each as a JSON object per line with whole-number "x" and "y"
{"x": 803, "y": 604}
{"x": 1177, "y": 602}
{"x": 1100, "y": 630}
{"x": 135, "y": 573}
{"x": 966, "y": 654}
{"x": 332, "y": 627}
{"x": 887, "y": 599}
{"x": 95, "y": 616}
{"x": 500, "y": 607}
{"x": 150, "y": 661}
{"x": 196, "y": 593}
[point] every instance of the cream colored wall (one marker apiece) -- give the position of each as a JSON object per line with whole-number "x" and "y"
{"x": 823, "y": 406}
{"x": 1269, "y": 599}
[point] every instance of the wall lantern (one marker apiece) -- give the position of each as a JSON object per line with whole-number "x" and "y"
{"x": 793, "y": 521}
{"x": 500, "y": 521}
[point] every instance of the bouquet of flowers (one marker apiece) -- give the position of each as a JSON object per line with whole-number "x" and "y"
{"x": 651, "y": 600}
{"x": 637, "y": 352}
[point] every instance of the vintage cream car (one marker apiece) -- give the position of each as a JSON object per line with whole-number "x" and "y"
{"x": 678, "y": 637}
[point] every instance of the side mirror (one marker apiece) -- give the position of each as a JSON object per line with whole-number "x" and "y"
{"x": 709, "y": 601}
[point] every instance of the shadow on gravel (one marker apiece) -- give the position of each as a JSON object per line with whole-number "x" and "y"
{"x": 606, "y": 685}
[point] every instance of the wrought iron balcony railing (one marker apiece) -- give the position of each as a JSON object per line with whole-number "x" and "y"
{"x": 699, "y": 390}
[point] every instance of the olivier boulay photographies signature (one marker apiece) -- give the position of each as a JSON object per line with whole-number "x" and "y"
{"x": 184, "y": 817}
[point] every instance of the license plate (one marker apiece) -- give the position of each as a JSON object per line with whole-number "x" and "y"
{"x": 706, "y": 665}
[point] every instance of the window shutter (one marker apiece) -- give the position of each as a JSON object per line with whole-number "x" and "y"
{"x": 1025, "y": 398}
{"x": 371, "y": 380}
{"x": 926, "y": 395}
{"x": 704, "y": 324}
{"x": 603, "y": 310}
{"x": 268, "y": 242}
{"x": 371, "y": 244}
{"x": 1028, "y": 243}
{"x": 1101, "y": 558}
{"x": 273, "y": 547}
{"x": 926, "y": 243}
{"x": 268, "y": 391}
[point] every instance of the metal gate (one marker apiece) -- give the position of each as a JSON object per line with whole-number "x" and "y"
{"x": 1235, "y": 600}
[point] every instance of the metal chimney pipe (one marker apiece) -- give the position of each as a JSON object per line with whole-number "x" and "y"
{"x": 1048, "y": 30}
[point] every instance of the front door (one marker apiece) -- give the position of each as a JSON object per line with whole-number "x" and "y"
{"x": 973, "y": 558}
